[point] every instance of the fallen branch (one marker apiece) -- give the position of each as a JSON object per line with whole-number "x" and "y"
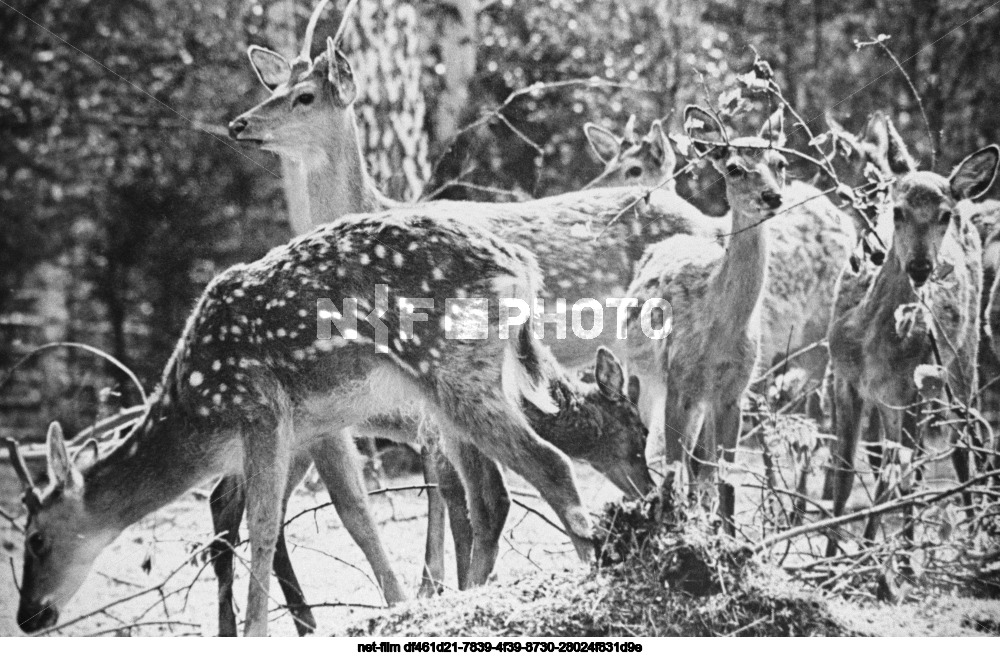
{"x": 926, "y": 496}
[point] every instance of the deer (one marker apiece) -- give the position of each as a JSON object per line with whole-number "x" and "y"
{"x": 700, "y": 372}
{"x": 309, "y": 116}
{"x": 868, "y": 162}
{"x": 810, "y": 239}
{"x": 890, "y": 320}
{"x": 249, "y": 386}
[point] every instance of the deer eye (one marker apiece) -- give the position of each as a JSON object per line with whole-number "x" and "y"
{"x": 305, "y": 99}
{"x": 897, "y": 215}
{"x": 36, "y": 544}
{"x": 633, "y": 172}
{"x": 945, "y": 217}
{"x": 735, "y": 171}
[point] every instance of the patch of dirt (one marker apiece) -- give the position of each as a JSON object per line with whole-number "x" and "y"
{"x": 332, "y": 569}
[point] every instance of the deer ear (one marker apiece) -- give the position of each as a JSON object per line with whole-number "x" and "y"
{"x": 975, "y": 175}
{"x": 773, "y": 130}
{"x": 891, "y": 151}
{"x": 700, "y": 125}
{"x": 659, "y": 148}
{"x": 602, "y": 142}
{"x": 609, "y": 374}
{"x": 86, "y": 456}
{"x": 271, "y": 68}
{"x": 60, "y": 468}
{"x": 340, "y": 74}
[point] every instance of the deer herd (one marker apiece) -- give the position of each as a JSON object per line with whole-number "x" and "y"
{"x": 252, "y": 396}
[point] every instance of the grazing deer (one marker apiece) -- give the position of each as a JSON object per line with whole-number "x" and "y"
{"x": 249, "y": 386}
{"x": 702, "y": 369}
{"x": 810, "y": 239}
{"x": 885, "y": 318}
{"x": 309, "y": 116}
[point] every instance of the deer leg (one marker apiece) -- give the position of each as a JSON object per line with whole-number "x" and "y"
{"x": 893, "y": 429}
{"x": 488, "y": 504}
{"x": 505, "y": 437}
{"x": 960, "y": 461}
{"x": 266, "y": 463}
{"x": 433, "y": 579}
{"x": 336, "y": 460}
{"x": 454, "y": 494}
{"x": 305, "y": 623}
{"x": 227, "y": 503}
{"x": 728, "y": 422}
{"x": 678, "y": 425}
{"x": 803, "y": 463}
{"x": 849, "y": 411}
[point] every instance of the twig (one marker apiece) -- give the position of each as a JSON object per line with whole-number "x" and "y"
{"x": 136, "y": 625}
{"x": 794, "y": 495}
{"x": 13, "y": 522}
{"x": 788, "y": 358}
{"x": 747, "y": 627}
{"x": 338, "y": 604}
{"x": 13, "y": 574}
{"x": 90, "y": 349}
{"x": 403, "y": 488}
{"x": 384, "y": 490}
{"x": 536, "y": 512}
{"x": 880, "y": 42}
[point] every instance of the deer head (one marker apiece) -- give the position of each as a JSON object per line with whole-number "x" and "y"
{"x": 753, "y": 169}
{"x": 879, "y": 148}
{"x": 627, "y": 160}
{"x": 62, "y": 540}
{"x": 924, "y": 208}
{"x": 310, "y": 98}
{"x": 621, "y": 453}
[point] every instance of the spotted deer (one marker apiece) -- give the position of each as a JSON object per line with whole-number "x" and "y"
{"x": 250, "y": 385}
{"x": 885, "y": 318}
{"x": 700, "y": 372}
{"x": 810, "y": 239}
{"x": 576, "y": 237}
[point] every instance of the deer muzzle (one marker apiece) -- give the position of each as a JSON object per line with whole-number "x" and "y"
{"x": 919, "y": 270}
{"x": 36, "y": 617}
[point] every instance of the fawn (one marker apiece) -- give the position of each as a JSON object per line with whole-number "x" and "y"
{"x": 934, "y": 268}
{"x": 249, "y": 385}
{"x": 809, "y": 241}
{"x": 700, "y": 372}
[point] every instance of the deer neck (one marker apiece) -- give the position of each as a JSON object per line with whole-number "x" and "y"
{"x": 158, "y": 462}
{"x": 329, "y": 179}
{"x": 741, "y": 276}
